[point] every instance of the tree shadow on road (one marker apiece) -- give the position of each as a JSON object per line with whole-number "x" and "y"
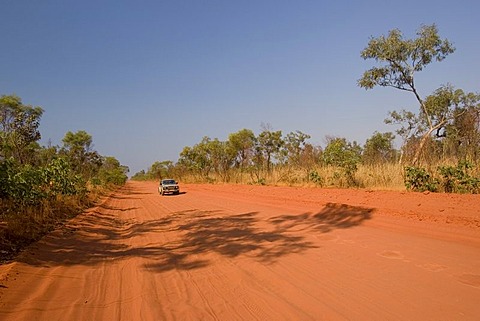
{"x": 232, "y": 236}
{"x": 332, "y": 216}
{"x": 193, "y": 237}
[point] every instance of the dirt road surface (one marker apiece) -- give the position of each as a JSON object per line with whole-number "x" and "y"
{"x": 219, "y": 252}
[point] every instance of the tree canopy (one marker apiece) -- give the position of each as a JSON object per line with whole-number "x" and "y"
{"x": 399, "y": 59}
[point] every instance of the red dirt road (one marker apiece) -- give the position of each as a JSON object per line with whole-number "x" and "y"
{"x": 254, "y": 253}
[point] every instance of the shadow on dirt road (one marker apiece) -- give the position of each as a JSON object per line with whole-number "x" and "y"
{"x": 192, "y": 236}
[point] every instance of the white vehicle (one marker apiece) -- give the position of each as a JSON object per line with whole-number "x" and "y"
{"x": 168, "y": 186}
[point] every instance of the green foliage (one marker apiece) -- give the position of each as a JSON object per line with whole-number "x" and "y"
{"x": 462, "y": 133}
{"x": 446, "y": 105}
{"x": 40, "y": 186}
{"x": 77, "y": 147}
{"x": 295, "y": 144}
{"x": 399, "y": 60}
{"x": 112, "y": 173}
{"x": 18, "y": 128}
{"x": 77, "y": 143}
{"x": 30, "y": 185}
{"x": 294, "y": 161}
{"x": 314, "y": 177}
{"x": 209, "y": 156}
{"x": 345, "y": 155}
{"x": 241, "y": 144}
{"x": 197, "y": 158}
{"x": 409, "y": 122}
{"x": 23, "y": 185}
{"x": 402, "y": 57}
{"x": 458, "y": 179}
{"x": 159, "y": 170}
{"x": 60, "y": 179}
{"x": 140, "y": 176}
{"x": 419, "y": 180}
{"x": 452, "y": 179}
{"x": 31, "y": 174}
{"x": 221, "y": 156}
{"x": 269, "y": 144}
{"x": 379, "y": 149}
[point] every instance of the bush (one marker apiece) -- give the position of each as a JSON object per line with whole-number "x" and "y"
{"x": 29, "y": 186}
{"x": 314, "y": 177}
{"x": 458, "y": 179}
{"x": 419, "y": 180}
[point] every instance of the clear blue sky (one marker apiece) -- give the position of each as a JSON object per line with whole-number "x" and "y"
{"x": 147, "y": 78}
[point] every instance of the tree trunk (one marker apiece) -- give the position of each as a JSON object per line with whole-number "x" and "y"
{"x": 419, "y": 150}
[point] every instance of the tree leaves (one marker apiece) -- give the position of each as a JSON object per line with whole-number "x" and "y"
{"x": 401, "y": 58}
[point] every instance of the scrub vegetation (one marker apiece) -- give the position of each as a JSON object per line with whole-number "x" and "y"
{"x": 440, "y": 141}
{"x": 40, "y": 186}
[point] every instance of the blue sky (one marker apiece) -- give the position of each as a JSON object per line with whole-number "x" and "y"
{"x": 147, "y": 78}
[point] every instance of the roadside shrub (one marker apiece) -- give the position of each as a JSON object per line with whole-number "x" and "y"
{"x": 28, "y": 185}
{"x": 344, "y": 155}
{"x": 23, "y": 184}
{"x": 61, "y": 179}
{"x": 458, "y": 179}
{"x": 419, "y": 180}
{"x": 111, "y": 173}
{"x": 314, "y": 177}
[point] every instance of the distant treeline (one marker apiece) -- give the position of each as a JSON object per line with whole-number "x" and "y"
{"x": 440, "y": 144}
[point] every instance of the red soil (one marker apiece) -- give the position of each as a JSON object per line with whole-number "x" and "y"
{"x": 222, "y": 252}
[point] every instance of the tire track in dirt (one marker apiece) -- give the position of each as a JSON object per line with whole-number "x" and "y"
{"x": 252, "y": 253}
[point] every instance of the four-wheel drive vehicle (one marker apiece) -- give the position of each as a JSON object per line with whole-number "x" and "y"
{"x": 168, "y": 186}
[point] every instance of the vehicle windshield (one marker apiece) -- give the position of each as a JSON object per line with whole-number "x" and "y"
{"x": 168, "y": 181}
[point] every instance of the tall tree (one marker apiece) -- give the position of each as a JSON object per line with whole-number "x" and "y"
{"x": 160, "y": 170}
{"x": 400, "y": 59}
{"x": 112, "y": 172}
{"x": 458, "y": 113}
{"x": 269, "y": 143}
{"x": 197, "y": 158}
{"x": 78, "y": 147}
{"x": 78, "y": 142}
{"x": 294, "y": 146}
{"x": 242, "y": 143}
{"x": 18, "y": 128}
{"x": 379, "y": 148}
{"x": 222, "y": 157}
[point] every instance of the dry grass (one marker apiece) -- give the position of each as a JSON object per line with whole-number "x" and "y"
{"x": 22, "y": 225}
{"x": 375, "y": 177}
{"x": 381, "y": 177}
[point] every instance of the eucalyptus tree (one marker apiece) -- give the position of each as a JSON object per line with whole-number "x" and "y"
{"x": 295, "y": 144}
{"x": 242, "y": 143}
{"x": 112, "y": 172}
{"x": 222, "y": 156}
{"x": 78, "y": 148}
{"x": 269, "y": 144}
{"x": 400, "y": 59}
{"x": 160, "y": 170}
{"x": 18, "y": 129}
{"x": 457, "y": 118}
{"x": 196, "y": 158}
{"x": 379, "y": 148}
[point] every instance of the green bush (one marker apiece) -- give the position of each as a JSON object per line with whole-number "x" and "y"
{"x": 419, "y": 180}
{"x": 314, "y": 177}
{"x": 458, "y": 179}
{"x": 29, "y": 185}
